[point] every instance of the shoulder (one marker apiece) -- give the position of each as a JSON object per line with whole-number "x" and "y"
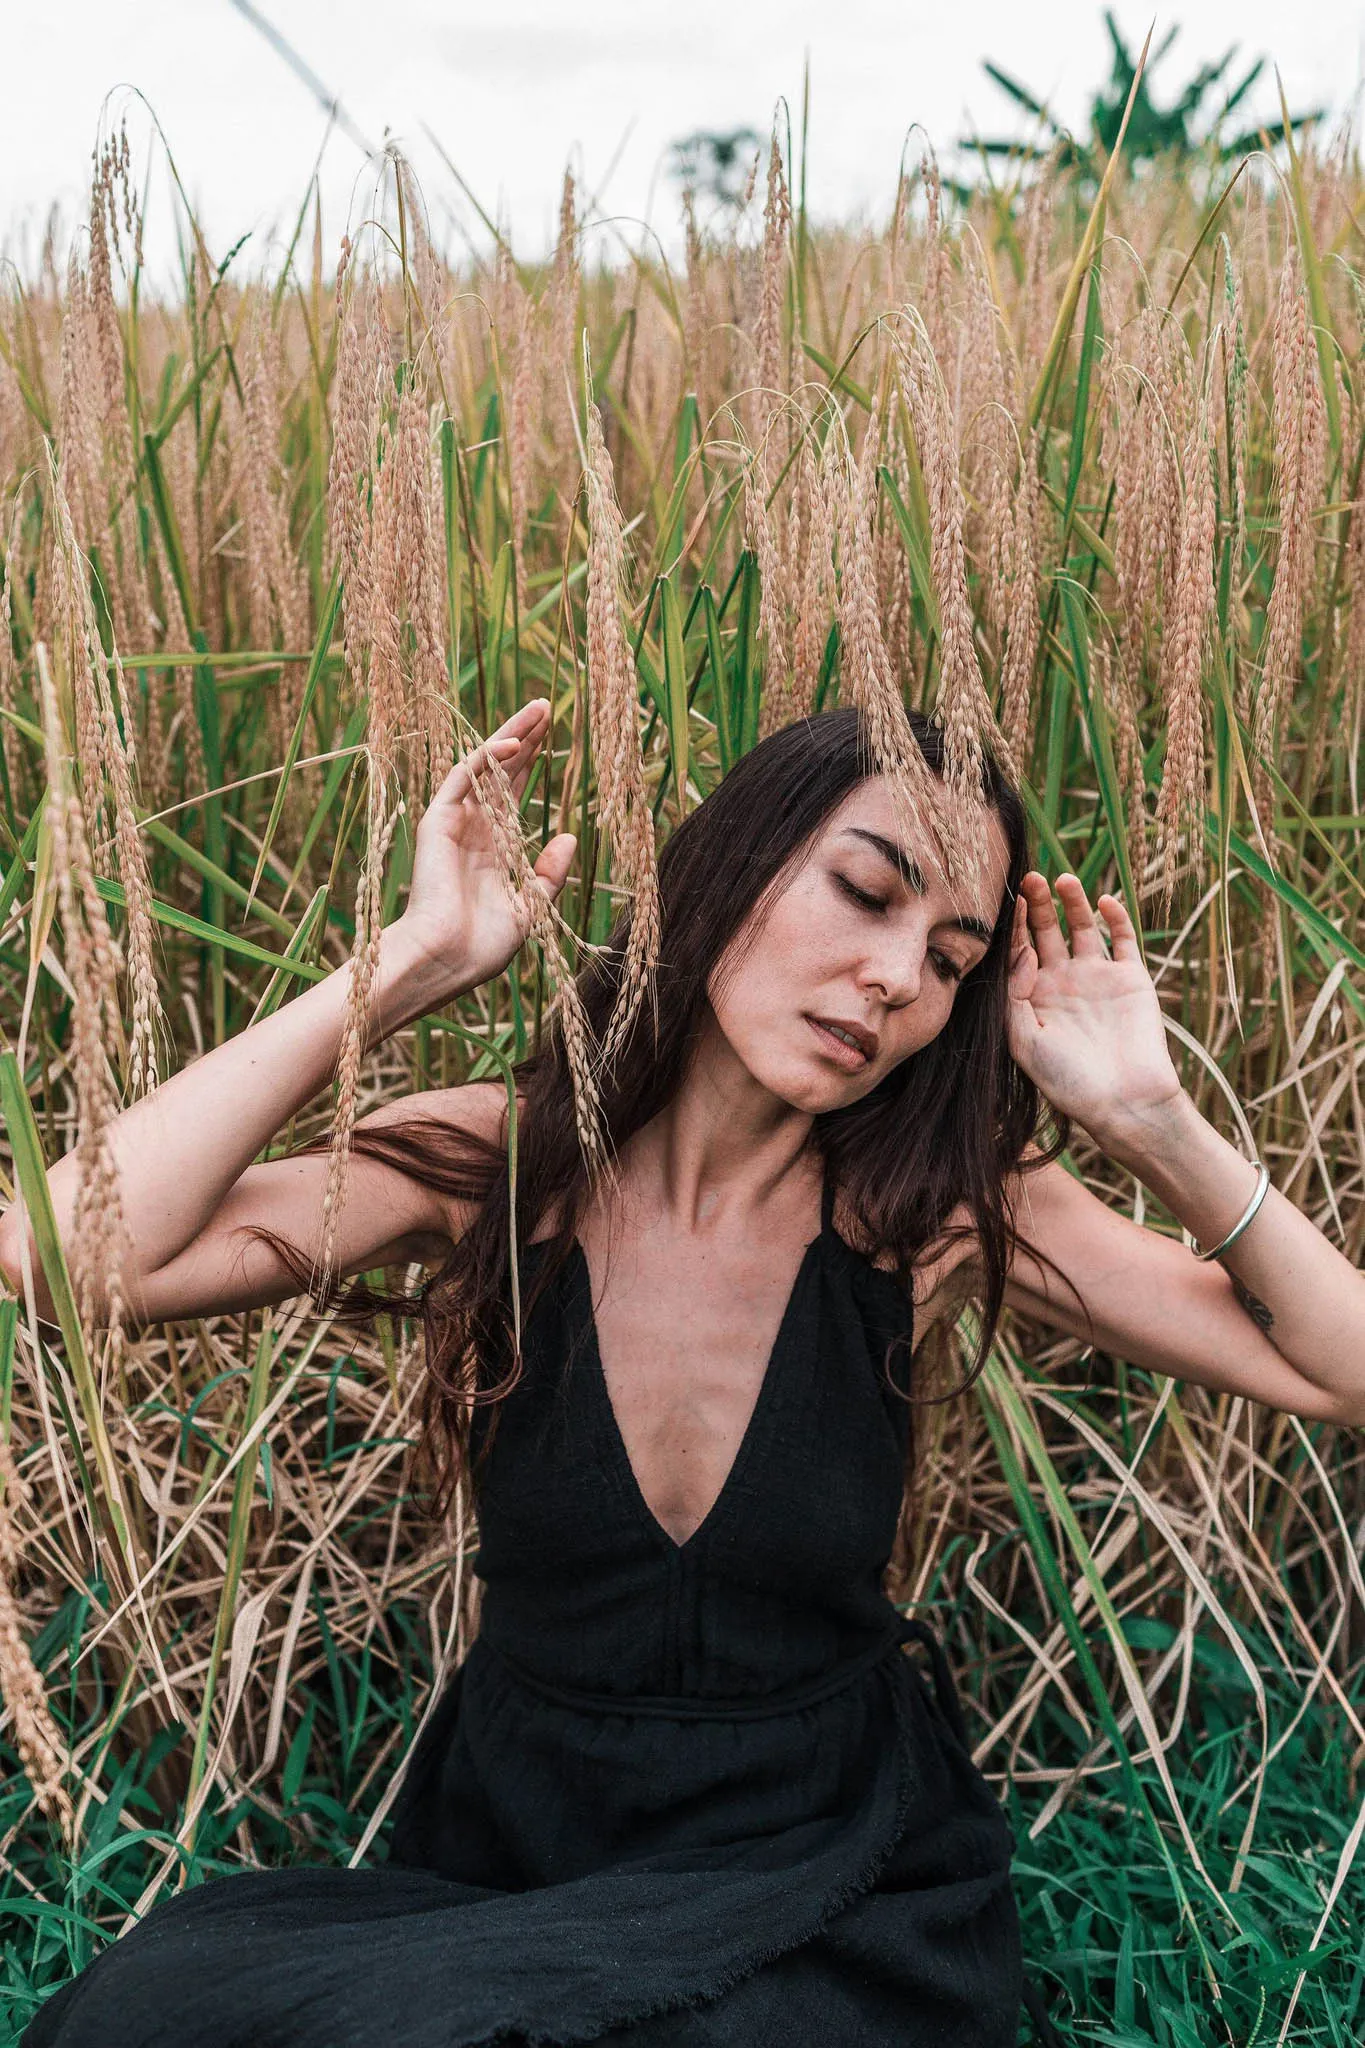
{"x": 477, "y": 1107}
{"x": 942, "y": 1273}
{"x": 476, "y": 1110}
{"x": 949, "y": 1269}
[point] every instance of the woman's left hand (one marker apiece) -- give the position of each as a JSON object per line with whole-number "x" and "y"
{"x": 1085, "y": 1026}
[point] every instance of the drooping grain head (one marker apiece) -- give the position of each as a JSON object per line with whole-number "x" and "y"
{"x": 1300, "y": 422}
{"x": 613, "y": 697}
{"x": 867, "y": 676}
{"x": 962, "y": 705}
{"x": 1188, "y": 635}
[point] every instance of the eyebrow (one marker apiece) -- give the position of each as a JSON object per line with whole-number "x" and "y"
{"x": 912, "y": 874}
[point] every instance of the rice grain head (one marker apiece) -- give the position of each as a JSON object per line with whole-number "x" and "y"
{"x": 108, "y": 766}
{"x": 895, "y": 583}
{"x": 1300, "y": 464}
{"x": 529, "y": 896}
{"x": 962, "y": 705}
{"x": 866, "y": 675}
{"x": 518, "y": 433}
{"x": 1022, "y": 615}
{"x": 774, "y": 350}
{"x": 613, "y": 697}
{"x": 562, "y": 357}
{"x": 354, "y": 428}
{"x": 9, "y": 669}
{"x": 277, "y": 594}
{"x": 97, "y": 1238}
{"x": 42, "y": 1751}
{"x": 817, "y": 526}
{"x": 1150, "y": 394}
{"x": 774, "y": 709}
{"x": 1188, "y": 636}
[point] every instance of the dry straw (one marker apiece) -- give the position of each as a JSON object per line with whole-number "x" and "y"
{"x": 918, "y": 550}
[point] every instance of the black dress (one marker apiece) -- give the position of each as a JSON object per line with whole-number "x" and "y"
{"x": 689, "y": 1795}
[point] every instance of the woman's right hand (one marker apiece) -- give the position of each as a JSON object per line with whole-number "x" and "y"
{"x": 459, "y": 914}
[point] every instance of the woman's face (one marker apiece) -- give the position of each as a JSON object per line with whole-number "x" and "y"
{"x": 861, "y": 939}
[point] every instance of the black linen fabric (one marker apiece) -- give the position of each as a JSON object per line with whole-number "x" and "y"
{"x": 685, "y": 1795}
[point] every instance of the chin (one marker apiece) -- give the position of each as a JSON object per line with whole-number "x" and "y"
{"x": 797, "y": 1085}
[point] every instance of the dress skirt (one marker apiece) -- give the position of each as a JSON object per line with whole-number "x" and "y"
{"x": 679, "y": 1795}
{"x": 828, "y": 1870}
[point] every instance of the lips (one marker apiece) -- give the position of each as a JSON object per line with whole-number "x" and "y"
{"x": 853, "y": 1057}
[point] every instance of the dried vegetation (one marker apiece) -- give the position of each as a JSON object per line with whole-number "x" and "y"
{"x": 1083, "y": 479}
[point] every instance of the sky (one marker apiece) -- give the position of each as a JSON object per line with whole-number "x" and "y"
{"x": 513, "y": 90}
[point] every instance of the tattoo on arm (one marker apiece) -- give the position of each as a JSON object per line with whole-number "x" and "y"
{"x": 1252, "y": 1303}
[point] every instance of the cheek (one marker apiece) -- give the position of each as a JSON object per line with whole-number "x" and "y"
{"x": 781, "y": 962}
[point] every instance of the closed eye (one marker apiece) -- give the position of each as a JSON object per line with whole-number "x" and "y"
{"x": 946, "y": 969}
{"x": 860, "y": 895}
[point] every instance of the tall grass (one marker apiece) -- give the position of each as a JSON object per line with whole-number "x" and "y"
{"x": 1086, "y": 467}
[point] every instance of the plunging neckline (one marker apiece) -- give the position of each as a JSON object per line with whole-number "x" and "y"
{"x": 762, "y": 1399}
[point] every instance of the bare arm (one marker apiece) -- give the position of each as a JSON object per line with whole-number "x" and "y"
{"x": 183, "y": 1156}
{"x": 1281, "y": 1316}
{"x": 1150, "y": 1301}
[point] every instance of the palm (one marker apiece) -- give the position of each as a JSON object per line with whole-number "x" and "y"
{"x": 1085, "y": 1026}
{"x": 459, "y": 906}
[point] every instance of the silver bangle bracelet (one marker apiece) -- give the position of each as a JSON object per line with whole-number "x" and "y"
{"x": 1262, "y": 1183}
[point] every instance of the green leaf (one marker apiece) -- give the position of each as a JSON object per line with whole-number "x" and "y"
{"x": 675, "y": 688}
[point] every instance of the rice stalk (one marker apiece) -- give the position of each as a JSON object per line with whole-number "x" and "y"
{"x": 417, "y": 431}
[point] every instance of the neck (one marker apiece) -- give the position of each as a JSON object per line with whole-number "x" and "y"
{"x": 725, "y": 1154}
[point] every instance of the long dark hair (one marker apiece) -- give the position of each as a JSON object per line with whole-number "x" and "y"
{"x": 945, "y": 1128}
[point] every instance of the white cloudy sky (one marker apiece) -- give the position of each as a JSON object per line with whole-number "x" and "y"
{"x": 512, "y": 87}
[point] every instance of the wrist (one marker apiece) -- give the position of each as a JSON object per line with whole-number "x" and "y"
{"x": 412, "y": 980}
{"x": 1152, "y": 1136}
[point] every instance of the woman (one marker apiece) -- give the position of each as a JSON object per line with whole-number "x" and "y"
{"x": 692, "y": 1785}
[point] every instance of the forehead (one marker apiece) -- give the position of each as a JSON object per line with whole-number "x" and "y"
{"x": 871, "y": 808}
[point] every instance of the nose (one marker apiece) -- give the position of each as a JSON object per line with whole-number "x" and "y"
{"x": 895, "y": 970}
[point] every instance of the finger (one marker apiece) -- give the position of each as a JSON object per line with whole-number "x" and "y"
{"x": 555, "y": 860}
{"x": 1086, "y": 940}
{"x": 1019, "y": 935}
{"x": 520, "y": 766}
{"x": 530, "y": 734}
{"x": 460, "y": 781}
{"x": 1022, "y": 1031}
{"x": 1044, "y": 926}
{"x": 513, "y": 745}
{"x": 1023, "y": 973}
{"x": 526, "y": 723}
{"x": 1122, "y": 931}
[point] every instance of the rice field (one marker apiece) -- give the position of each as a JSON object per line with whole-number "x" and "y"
{"x": 1078, "y": 464}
